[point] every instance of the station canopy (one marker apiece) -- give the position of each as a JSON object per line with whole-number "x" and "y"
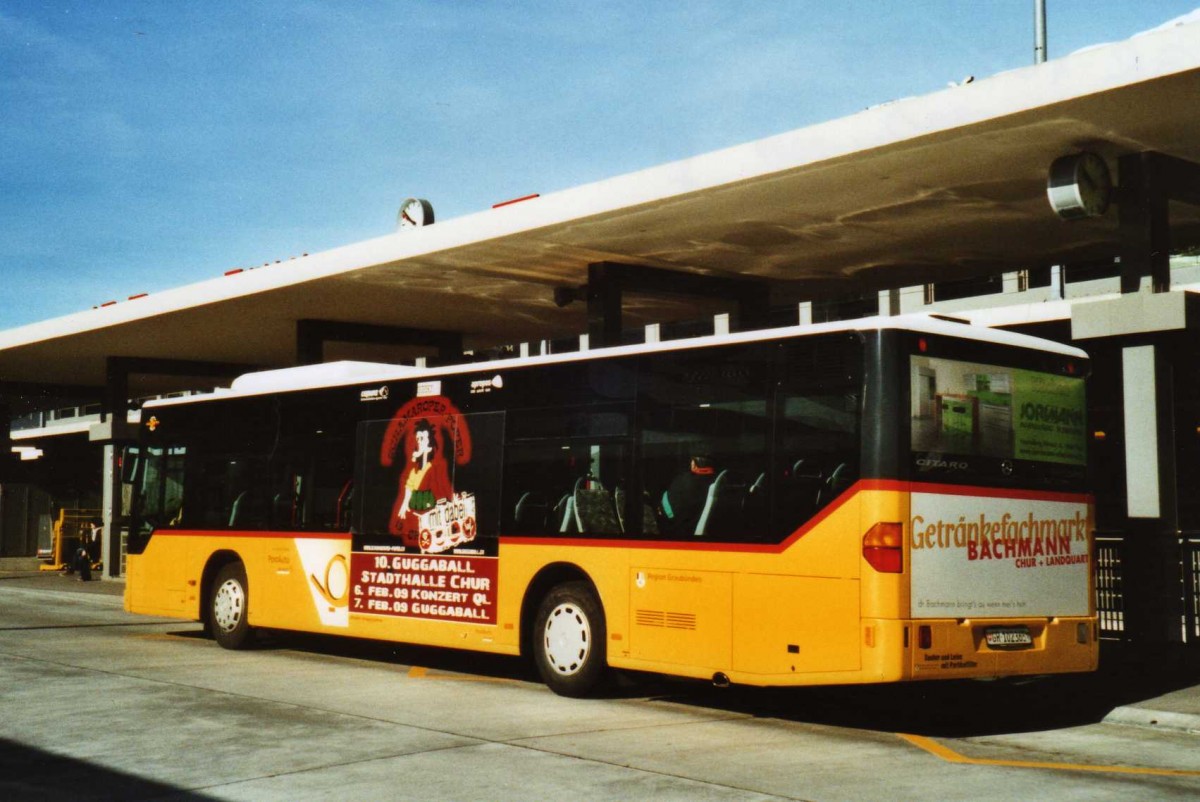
{"x": 944, "y": 186}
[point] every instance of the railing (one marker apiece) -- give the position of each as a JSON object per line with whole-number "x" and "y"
{"x": 1110, "y": 597}
{"x": 1111, "y": 601}
{"x": 1190, "y": 547}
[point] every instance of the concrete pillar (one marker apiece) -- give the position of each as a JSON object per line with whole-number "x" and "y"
{"x": 1153, "y": 590}
{"x": 111, "y": 545}
{"x": 889, "y": 302}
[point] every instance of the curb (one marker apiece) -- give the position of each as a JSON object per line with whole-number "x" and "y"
{"x": 1154, "y": 719}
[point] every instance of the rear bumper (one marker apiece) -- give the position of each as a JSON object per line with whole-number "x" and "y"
{"x": 958, "y": 648}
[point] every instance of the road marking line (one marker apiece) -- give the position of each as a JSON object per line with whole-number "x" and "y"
{"x": 949, "y": 755}
{"x": 167, "y": 636}
{"x": 419, "y": 672}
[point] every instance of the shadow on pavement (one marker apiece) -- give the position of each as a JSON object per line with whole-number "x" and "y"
{"x": 958, "y": 709}
{"x": 434, "y": 658}
{"x": 952, "y": 709}
{"x": 29, "y": 773}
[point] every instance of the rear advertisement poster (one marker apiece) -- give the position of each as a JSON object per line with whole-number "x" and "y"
{"x": 989, "y": 557}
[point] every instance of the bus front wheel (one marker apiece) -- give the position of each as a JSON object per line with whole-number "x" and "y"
{"x": 228, "y": 603}
{"x": 569, "y": 640}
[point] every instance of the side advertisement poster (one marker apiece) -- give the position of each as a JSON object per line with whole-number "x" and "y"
{"x": 426, "y": 509}
{"x": 419, "y": 586}
{"x": 990, "y": 557}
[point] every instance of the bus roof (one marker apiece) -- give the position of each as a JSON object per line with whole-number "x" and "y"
{"x": 344, "y": 374}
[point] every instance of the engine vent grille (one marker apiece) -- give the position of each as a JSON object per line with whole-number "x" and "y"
{"x": 660, "y": 618}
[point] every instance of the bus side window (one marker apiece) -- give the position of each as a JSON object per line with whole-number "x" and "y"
{"x": 705, "y": 441}
{"x": 818, "y": 436}
{"x": 309, "y": 487}
{"x": 312, "y": 460}
{"x": 562, "y": 468}
{"x": 227, "y": 491}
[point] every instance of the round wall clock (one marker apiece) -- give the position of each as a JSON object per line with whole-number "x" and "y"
{"x": 1079, "y": 186}
{"x": 414, "y": 213}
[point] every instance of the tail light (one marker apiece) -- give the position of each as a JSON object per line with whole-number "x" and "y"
{"x": 883, "y": 547}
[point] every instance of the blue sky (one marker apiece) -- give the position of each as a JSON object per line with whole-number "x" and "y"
{"x": 146, "y": 145}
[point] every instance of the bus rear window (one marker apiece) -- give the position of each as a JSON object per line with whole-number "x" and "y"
{"x": 976, "y": 422}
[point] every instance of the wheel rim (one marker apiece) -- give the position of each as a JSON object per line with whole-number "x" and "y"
{"x": 229, "y": 604}
{"x": 568, "y": 639}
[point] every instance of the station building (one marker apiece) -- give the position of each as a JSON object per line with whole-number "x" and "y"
{"x": 1062, "y": 200}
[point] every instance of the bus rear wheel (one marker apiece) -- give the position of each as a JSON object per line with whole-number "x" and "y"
{"x": 228, "y": 602}
{"x": 569, "y": 640}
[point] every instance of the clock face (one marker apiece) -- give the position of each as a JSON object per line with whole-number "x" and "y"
{"x": 414, "y": 213}
{"x": 1079, "y": 186}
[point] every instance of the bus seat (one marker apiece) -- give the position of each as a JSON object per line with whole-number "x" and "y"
{"x": 722, "y": 513}
{"x": 344, "y": 505}
{"x": 840, "y": 478}
{"x": 649, "y": 519}
{"x": 755, "y": 507}
{"x": 703, "y": 526}
{"x": 564, "y": 513}
{"x": 235, "y": 512}
{"x": 281, "y": 510}
{"x": 531, "y": 511}
{"x": 619, "y": 501}
{"x": 323, "y": 512}
{"x": 595, "y": 512}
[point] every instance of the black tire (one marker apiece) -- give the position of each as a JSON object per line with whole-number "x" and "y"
{"x": 570, "y": 640}
{"x": 228, "y": 601}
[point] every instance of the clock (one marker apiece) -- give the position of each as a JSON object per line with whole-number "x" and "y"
{"x": 1079, "y": 186}
{"x": 414, "y": 213}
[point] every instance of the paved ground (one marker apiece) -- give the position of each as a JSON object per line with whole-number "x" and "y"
{"x": 98, "y": 704}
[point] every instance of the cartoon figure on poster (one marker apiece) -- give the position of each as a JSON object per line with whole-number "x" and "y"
{"x": 428, "y": 513}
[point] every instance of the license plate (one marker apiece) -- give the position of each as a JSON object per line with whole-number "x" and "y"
{"x": 1008, "y": 636}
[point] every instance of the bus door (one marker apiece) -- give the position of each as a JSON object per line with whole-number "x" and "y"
{"x": 800, "y": 610}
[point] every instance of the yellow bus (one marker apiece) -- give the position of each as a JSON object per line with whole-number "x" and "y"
{"x": 868, "y": 501}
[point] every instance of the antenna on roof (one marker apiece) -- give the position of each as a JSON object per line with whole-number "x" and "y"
{"x": 1039, "y": 31}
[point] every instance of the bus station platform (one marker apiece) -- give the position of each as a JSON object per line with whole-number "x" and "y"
{"x": 1132, "y": 688}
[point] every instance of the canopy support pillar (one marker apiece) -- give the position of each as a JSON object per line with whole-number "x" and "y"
{"x": 609, "y": 281}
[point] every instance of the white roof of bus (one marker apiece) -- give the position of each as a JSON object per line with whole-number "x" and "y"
{"x": 331, "y": 375}
{"x": 922, "y": 189}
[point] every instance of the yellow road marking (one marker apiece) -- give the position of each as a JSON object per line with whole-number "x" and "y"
{"x": 419, "y": 672}
{"x": 166, "y": 636}
{"x": 949, "y": 755}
